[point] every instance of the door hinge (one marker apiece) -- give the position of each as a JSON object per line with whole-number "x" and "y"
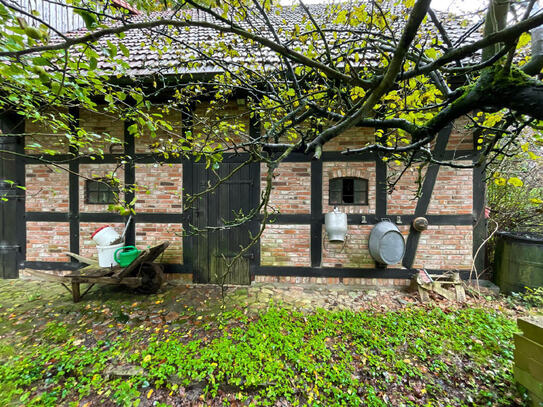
{"x": 7, "y": 247}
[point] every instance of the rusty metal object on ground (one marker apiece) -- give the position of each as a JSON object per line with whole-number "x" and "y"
{"x": 448, "y": 285}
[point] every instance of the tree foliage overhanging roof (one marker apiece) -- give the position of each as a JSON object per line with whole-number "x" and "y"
{"x": 309, "y": 73}
{"x": 202, "y": 49}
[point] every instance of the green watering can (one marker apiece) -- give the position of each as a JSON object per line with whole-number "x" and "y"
{"x": 126, "y": 255}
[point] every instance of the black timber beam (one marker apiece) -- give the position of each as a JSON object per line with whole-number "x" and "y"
{"x": 149, "y": 158}
{"x": 316, "y": 213}
{"x": 254, "y": 132}
{"x": 280, "y": 219}
{"x": 271, "y": 270}
{"x": 73, "y": 179}
{"x": 426, "y": 195}
{"x": 129, "y": 181}
{"x": 380, "y": 189}
{"x": 187, "y": 121}
{"x": 388, "y": 273}
{"x": 72, "y": 266}
{"x": 480, "y": 225}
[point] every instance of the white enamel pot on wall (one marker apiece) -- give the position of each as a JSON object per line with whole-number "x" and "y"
{"x": 386, "y": 243}
{"x": 335, "y": 224}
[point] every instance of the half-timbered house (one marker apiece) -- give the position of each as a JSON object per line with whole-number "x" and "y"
{"x": 61, "y": 207}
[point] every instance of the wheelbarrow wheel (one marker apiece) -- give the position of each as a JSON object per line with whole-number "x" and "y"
{"x": 152, "y": 278}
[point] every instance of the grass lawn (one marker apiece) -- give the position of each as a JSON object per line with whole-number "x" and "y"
{"x": 125, "y": 349}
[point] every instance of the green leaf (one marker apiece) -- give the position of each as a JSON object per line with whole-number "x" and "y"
{"x": 431, "y": 53}
{"x": 93, "y": 63}
{"x": 89, "y": 18}
{"x": 112, "y": 48}
{"x": 33, "y": 33}
{"x": 516, "y": 182}
{"x": 40, "y": 61}
{"x": 124, "y": 50}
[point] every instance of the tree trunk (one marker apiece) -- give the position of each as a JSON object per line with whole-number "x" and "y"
{"x": 495, "y": 20}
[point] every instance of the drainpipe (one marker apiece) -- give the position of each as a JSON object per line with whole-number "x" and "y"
{"x": 536, "y": 62}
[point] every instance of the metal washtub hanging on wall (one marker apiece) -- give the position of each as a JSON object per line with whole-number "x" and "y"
{"x": 386, "y": 243}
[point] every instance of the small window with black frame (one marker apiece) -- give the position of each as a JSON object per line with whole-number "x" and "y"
{"x": 348, "y": 191}
{"x": 100, "y": 191}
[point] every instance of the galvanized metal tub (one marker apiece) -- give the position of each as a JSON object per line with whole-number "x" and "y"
{"x": 386, "y": 243}
{"x": 518, "y": 261}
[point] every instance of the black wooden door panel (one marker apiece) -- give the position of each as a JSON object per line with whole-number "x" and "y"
{"x": 215, "y": 212}
{"x": 11, "y": 207}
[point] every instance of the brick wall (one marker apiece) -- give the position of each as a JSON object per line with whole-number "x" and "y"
{"x": 106, "y": 132}
{"x": 354, "y": 253}
{"x": 356, "y": 137}
{"x": 147, "y": 234}
{"x": 90, "y": 171}
{"x": 41, "y": 136}
{"x": 461, "y": 137}
{"x": 370, "y": 282}
{"x": 164, "y": 136}
{"x": 440, "y": 247}
{"x": 453, "y": 192}
{"x": 150, "y": 234}
{"x": 46, "y": 241}
{"x": 285, "y": 245}
{"x": 101, "y": 124}
{"x": 46, "y": 189}
{"x": 445, "y": 247}
{"x": 403, "y": 198}
{"x": 291, "y": 191}
{"x": 206, "y": 129}
{"x": 87, "y": 247}
{"x": 159, "y": 188}
{"x": 349, "y": 169}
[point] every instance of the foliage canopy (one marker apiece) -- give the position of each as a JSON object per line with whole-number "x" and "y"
{"x": 307, "y": 74}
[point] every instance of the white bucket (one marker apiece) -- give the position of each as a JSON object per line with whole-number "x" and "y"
{"x": 104, "y": 236}
{"x": 106, "y": 255}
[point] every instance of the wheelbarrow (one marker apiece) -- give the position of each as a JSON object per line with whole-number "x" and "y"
{"x": 142, "y": 274}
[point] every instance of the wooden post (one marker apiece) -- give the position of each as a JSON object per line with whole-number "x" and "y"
{"x": 76, "y": 293}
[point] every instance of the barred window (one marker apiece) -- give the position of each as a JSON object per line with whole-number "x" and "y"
{"x": 100, "y": 191}
{"x": 348, "y": 191}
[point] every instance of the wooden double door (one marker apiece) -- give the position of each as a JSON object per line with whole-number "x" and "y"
{"x": 215, "y": 214}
